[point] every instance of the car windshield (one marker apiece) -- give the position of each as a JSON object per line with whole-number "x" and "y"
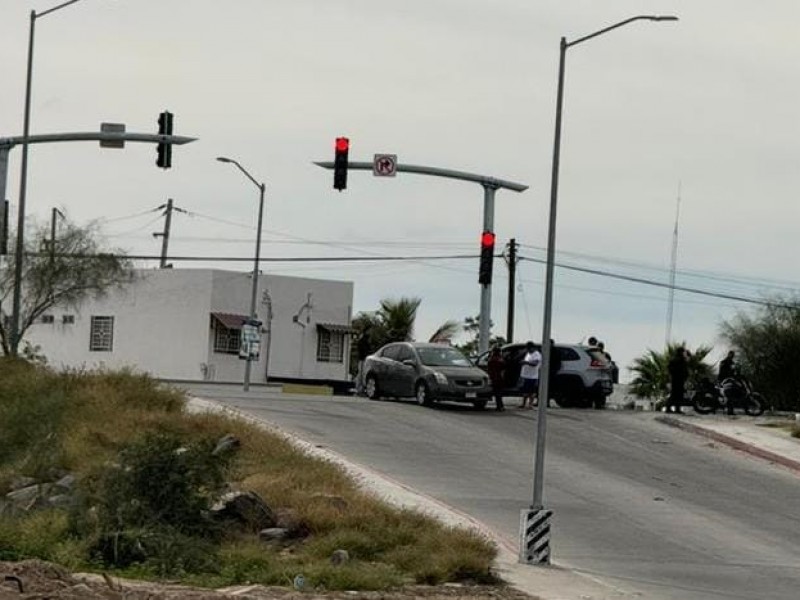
{"x": 443, "y": 357}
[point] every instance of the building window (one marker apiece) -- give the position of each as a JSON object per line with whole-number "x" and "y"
{"x": 48, "y": 319}
{"x": 68, "y": 319}
{"x": 226, "y": 341}
{"x": 101, "y": 336}
{"x": 330, "y": 346}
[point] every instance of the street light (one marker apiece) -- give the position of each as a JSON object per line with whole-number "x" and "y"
{"x": 527, "y": 552}
{"x": 261, "y": 187}
{"x": 23, "y": 185}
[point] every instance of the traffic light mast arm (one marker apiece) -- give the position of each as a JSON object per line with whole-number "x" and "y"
{"x": 97, "y": 136}
{"x": 484, "y": 180}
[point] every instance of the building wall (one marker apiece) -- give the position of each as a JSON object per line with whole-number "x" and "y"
{"x": 293, "y": 352}
{"x": 155, "y": 326}
{"x": 163, "y": 325}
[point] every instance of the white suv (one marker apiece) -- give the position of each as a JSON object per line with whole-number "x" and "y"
{"x": 585, "y": 378}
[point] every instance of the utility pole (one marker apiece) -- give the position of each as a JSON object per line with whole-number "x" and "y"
{"x": 53, "y": 217}
{"x": 168, "y": 208}
{"x": 673, "y": 265}
{"x": 511, "y": 260}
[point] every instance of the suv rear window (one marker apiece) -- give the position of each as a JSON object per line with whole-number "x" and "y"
{"x": 568, "y": 354}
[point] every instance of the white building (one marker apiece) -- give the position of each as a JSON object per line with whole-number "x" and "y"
{"x": 185, "y": 324}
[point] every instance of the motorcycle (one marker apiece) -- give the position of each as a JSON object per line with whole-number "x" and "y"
{"x": 736, "y": 391}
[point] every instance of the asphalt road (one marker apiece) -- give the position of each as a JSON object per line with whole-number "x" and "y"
{"x": 648, "y": 508}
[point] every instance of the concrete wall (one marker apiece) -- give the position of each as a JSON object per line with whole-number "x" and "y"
{"x": 163, "y": 325}
{"x": 155, "y": 326}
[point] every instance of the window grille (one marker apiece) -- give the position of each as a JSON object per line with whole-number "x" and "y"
{"x": 330, "y": 346}
{"x": 101, "y": 336}
{"x": 226, "y": 341}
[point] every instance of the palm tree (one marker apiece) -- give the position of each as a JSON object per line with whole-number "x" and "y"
{"x": 652, "y": 373}
{"x": 445, "y": 333}
{"x": 397, "y": 318}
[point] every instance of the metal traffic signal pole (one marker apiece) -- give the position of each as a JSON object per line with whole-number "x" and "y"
{"x": 535, "y": 521}
{"x": 490, "y": 186}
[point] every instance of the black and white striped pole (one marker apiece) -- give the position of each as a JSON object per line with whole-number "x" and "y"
{"x": 535, "y": 520}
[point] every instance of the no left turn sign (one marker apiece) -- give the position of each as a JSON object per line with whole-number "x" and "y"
{"x": 384, "y": 165}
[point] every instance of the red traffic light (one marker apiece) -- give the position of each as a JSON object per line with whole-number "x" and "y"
{"x": 487, "y": 239}
{"x": 342, "y": 144}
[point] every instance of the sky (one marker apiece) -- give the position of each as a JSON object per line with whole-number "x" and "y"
{"x": 704, "y": 109}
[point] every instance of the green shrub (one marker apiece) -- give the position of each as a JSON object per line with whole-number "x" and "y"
{"x": 153, "y": 507}
{"x": 32, "y": 409}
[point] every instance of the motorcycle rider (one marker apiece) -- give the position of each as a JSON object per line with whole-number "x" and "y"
{"x": 726, "y": 367}
{"x": 727, "y": 370}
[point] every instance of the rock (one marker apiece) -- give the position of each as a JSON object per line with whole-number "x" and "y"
{"x": 339, "y": 557}
{"x": 66, "y": 483}
{"x": 299, "y": 582}
{"x": 21, "y": 482}
{"x": 60, "y": 501}
{"x": 26, "y": 497}
{"x": 273, "y": 534}
{"x": 226, "y": 444}
{"x": 245, "y": 508}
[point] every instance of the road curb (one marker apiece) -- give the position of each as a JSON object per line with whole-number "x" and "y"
{"x": 732, "y": 442}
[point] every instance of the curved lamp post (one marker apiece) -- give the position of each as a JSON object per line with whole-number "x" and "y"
{"x": 544, "y": 383}
{"x": 254, "y": 291}
{"x": 23, "y": 184}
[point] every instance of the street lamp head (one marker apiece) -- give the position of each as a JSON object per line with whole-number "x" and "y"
{"x": 664, "y": 18}
{"x": 223, "y": 159}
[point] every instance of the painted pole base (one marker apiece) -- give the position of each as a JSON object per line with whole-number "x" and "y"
{"x": 534, "y": 528}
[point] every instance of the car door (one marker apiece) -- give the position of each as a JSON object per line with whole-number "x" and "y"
{"x": 387, "y": 379}
{"x": 406, "y": 374}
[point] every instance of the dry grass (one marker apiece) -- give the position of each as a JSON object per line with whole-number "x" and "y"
{"x": 79, "y": 421}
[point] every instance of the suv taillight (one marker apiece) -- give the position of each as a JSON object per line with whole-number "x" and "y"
{"x": 596, "y": 364}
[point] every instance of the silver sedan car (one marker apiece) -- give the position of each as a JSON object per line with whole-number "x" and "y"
{"x": 427, "y": 372}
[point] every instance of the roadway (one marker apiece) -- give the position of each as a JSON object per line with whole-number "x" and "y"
{"x": 652, "y": 510}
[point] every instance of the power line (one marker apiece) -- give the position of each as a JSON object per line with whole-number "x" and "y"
{"x": 660, "y": 284}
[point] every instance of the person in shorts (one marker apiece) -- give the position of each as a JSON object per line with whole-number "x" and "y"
{"x": 529, "y": 374}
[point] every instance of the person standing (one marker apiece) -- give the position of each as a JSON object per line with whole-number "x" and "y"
{"x": 726, "y": 368}
{"x": 555, "y": 367}
{"x": 363, "y": 348}
{"x": 496, "y": 367}
{"x": 678, "y": 368}
{"x": 529, "y": 373}
{"x": 611, "y": 364}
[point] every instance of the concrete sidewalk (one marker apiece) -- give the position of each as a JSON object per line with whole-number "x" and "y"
{"x": 766, "y": 437}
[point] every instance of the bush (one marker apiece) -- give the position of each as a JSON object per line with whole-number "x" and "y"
{"x": 32, "y": 409}
{"x": 154, "y": 506}
{"x": 767, "y": 344}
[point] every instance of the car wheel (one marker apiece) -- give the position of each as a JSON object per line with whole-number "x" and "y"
{"x": 479, "y": 404}
{"x": 599, "y": 402}
{"x": 371, "y": 388}
{"x": 423, "y": 394}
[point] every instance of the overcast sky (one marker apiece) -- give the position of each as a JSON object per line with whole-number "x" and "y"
{"x": 705, "y": 107}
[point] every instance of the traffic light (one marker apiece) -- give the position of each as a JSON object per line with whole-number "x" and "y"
{"x": 164, "y": 149}
{"x": 487, "y": 258}
{"x": 340, "y": 163}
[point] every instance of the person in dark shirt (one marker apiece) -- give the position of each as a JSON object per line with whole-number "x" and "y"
{"x": 678, "y": 368}
{"x": 496, "y": 366}
{"x": 364, "y": 348}
{"x": 726, "y": 367}
{"x": 552, "y": 371}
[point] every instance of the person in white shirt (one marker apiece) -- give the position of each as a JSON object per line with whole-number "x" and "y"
{"x": 529, "y": 373}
